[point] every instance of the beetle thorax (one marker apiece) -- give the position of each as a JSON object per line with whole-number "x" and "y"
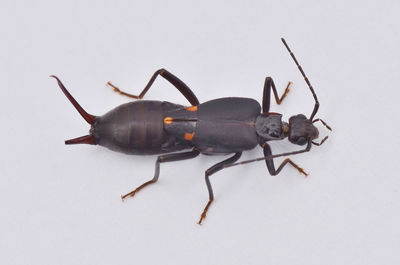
{"x": 270, "y": 127}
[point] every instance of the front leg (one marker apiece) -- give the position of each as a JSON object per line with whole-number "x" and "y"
{"x": 268, "y": 84}
{"x": 271, "y": 166}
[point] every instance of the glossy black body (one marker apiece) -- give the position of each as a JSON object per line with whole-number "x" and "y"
{"x": 220, "y": 126}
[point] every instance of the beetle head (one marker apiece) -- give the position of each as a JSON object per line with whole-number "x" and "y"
{"x": 301, "y": 130}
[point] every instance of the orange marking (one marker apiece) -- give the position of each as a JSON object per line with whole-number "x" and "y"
{"x": 189, "y": 136}
{"x": 168, "y": 120}
{"x": 192, "y": 108}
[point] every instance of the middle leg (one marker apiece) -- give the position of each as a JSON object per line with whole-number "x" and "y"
{"x": 209, "y": 172}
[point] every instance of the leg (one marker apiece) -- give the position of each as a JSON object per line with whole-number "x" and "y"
{"x": 269, "y": 83}
{"x": 209, "y": 172}
{"x": 270, "y": 163}
{"x": 326, "y": 137}
{"x": 324, "y": 123}
{"x": 182, "y": 87}
{"x": 320, "y": 143}
{"x": 162, "y": 159}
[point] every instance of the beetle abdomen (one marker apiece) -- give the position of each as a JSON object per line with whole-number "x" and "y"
{"x": 136, "y": 128}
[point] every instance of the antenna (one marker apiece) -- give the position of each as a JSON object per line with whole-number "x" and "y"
{"x": 316, "y": 106}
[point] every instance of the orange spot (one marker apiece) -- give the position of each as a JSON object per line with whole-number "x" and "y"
{"x": 168, "y": 120}
{"x": 192, "y": 108}
{"x": 189, "y": 136}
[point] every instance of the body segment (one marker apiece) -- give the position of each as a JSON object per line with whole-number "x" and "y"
{"x": 220, "y": 126}
{"x": 137, "y": 128}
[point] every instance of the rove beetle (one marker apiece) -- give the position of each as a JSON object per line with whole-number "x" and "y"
{"x": 217, "y": 127}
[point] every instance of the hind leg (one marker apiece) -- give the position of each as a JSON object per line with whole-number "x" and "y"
{"x": 179, "y": 84}
{"x": 162, "y": 159}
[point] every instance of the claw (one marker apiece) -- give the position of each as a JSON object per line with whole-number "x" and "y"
{"x": 202, "y": 217}
{"x": 116, "y": 89}
{"x": 204, "y": 213}
{"x": 130, "y": 194}
{"x": 303, "y": 172}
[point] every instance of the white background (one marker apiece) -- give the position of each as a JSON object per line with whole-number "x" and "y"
{"x": 61, "y": 204}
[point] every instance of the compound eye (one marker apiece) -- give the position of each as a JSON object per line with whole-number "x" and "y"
{"x": 301, "y": 141}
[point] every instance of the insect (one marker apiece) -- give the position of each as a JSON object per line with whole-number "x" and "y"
{"x": 218, "y": 127}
